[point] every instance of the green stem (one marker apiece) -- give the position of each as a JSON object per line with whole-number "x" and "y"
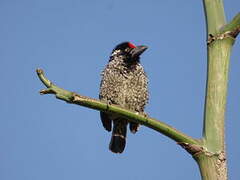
{"x": 216, "y": 94}
{"x": 212, "y": 167}
{"x": 212, "y": 161}
{"x": 217, "y": 77}
{"x": 233, "y": 25}
{"x": 214, "y": 15}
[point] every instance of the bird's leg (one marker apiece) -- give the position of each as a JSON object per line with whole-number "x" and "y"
{"x": 142, "y": 114}
{"x": 109, "y": 103}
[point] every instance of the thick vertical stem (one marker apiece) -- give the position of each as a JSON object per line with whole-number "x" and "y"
{"x": 214, "y": 15}
{"x": 212, "y": 167}
{"x": 218, "y": 58}
{"x": 216, "y": 92}
{"x": 211, "y": 163}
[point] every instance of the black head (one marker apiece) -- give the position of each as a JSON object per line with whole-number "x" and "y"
{"x": 129, "y": 50}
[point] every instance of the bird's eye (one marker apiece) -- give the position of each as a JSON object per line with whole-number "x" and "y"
{"x": 128, "y": 50}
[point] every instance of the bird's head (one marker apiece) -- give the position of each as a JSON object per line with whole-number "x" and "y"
{"x": 129, "y": 50}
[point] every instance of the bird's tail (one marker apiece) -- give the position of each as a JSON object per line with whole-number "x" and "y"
{"x": 118, "y": 140}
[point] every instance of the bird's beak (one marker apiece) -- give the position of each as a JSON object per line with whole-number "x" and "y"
{"x": 137, "y": 51}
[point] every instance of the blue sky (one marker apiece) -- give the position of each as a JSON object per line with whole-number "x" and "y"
{"x": 44, "y": 138}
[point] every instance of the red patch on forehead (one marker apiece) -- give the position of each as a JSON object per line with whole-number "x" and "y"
{"x": 131, "y": 45}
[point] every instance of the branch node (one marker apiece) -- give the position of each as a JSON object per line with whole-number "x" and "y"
{"x": 77, "y": 98}
{"x": 235, "y": 32}
{"x": 228, "y": 34}
{"x": 39, "y": 71}
{"x": 47, "y": 91}
{"x": 193, "y": 149}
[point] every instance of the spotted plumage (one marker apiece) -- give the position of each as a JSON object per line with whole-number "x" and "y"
{"x": 123, "y": 83}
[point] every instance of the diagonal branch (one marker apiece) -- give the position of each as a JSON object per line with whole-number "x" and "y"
{"x": 230, "y": 31}
{"x": 73, "y": 98}
{"x": 233, "y": 27}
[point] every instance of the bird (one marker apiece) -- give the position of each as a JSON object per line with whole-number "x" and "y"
{"x": 124, "y": 83}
